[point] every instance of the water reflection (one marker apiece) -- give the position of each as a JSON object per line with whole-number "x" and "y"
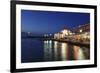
{"x": 64, "y": 51}
{"x": 78, "y": 53}
{"x": 47, "y": 50}
{"x": 58, "y": 51}
{"x": 36, "y": 50}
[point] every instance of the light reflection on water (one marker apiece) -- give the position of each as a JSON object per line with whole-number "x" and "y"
{"x": 58, "y": 51}
{"x": 36, "y": 50}
{"x": 64, "y": 50}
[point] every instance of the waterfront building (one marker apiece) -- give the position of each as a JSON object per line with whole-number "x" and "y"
{"x": 82, "y": 33}
{"x": 63, "y": 34}
{"x": 82, "y": 28}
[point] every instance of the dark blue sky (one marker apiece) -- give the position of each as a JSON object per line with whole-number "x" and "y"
{"x": 51, "y": 22}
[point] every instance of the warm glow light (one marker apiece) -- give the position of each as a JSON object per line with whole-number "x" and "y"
{"x": 81, "y": 55}
{"x": 80, "y": 30}
{"x": 76, "y": 51}
{"x": 65, "y": 32}
{"x": 55, "y": 44}
{"x": 64, "y": 51}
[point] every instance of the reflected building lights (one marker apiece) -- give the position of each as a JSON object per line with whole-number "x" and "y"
{"x": 55, "y": 44}
{"x": 50, "y": 44}
{"x": 56, "y": 50}
{"x": 78, "y": 53}
{"x": 76, "y": 50}
{"x": 64, "y": 51}
{"x": 46, "y": 45}
{"x": 48, "y": 50}
{"x": 81, "y": 55}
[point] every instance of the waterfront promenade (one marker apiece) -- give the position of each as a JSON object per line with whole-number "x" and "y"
{"x": 70, "y": 41}
{"x": 74, "y": 42}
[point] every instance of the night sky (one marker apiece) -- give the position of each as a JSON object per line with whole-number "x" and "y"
{"x": 46, "y": 22}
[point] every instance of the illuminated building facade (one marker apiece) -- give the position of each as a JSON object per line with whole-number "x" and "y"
{"x": 82, "y": 28}
{"x": 63, "y": 34}
{"x": 81, "y": 33}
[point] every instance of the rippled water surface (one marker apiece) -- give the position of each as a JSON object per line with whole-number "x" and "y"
{"x": 37, "y": 50}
